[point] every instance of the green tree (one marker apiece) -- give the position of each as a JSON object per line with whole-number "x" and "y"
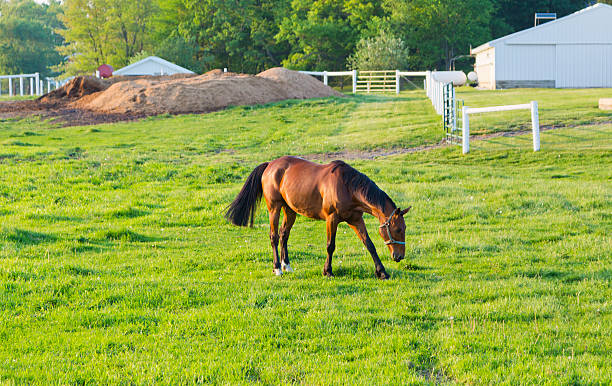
{"x": 238, "y": 34}
{"x": 27, "y": 37}
{"x": 381, "y": 52}
{"x": 323, "y": 33}
{"x": 435, "y": 31}
{"x": 105, "y": 32}
{"x": 183, "y": 52}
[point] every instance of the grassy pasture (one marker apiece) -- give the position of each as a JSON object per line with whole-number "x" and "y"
{"x": 116, "y": 264}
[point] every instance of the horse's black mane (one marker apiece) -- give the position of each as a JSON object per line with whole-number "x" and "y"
{"x": 359, "y": 182}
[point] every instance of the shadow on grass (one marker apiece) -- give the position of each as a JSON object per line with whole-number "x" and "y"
{"x": 128, "y": 235}
{"x": 26, "y": 237}
{"x": 53, "y": 218}
{"x": 129, "y": 212}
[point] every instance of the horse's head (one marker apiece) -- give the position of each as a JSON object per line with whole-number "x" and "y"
{"x": 393, "y": 231}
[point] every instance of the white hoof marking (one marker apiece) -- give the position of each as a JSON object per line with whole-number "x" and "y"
{"x": 278, "y": 272}
{"x": 287, "y": 268}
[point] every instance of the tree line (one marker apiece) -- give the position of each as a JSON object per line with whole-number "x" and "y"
{"x": 76, "y": 36}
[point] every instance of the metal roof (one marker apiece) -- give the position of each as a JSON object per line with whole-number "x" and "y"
{"x": 157, "y": 60}
{"x": 554, "y": 23}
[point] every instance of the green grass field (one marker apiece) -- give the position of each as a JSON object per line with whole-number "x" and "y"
{"x": 116, "y": 265}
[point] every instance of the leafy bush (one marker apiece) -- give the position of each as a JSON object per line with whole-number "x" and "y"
{"x": 381, "y": 52}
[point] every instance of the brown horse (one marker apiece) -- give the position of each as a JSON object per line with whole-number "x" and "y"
{"x": 335, "y": 192}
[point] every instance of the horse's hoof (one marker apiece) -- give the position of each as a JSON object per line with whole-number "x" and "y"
{"x": 287, "y": 268}
{"x": 278, "y": 272}
{"x": 328, "y": 274}
{"x": 382, "y": 275}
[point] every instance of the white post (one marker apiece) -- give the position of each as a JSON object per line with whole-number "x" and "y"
{"x": 31, "y": 86}
{"x": 466, "y": 130}
{"x": 41, "y": 87}
{"x": 21, "y": 85}
{"x": 224, "y": 69}
{"x": 354, "y": 81}
{"x": 325, "y": 78}
{"x": 10, "y": 87}
{"x": 38, "y": 90}
{"x": 397, "y": 82}
{"x": 535, "y": 125}
{"x": 97, "y": 74}
{"x": 48, "y": 86}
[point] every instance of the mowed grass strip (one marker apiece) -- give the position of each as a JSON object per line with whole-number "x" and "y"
{"x": 117, "y": 266}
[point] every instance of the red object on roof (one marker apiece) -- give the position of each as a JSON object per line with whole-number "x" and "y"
{"x": 106, "y": 71}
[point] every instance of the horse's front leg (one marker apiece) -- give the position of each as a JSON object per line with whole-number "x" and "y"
{"x": 332, "y": 227}
{"x": 358, "y": 225}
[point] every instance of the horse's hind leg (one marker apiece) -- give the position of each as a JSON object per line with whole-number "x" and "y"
{"x": 285, "y": 230}
{"x": 274, "y": 210}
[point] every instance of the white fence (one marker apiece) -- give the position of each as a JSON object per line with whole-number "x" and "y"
{"x": 354, "y": 74}
{"x": 435, "y": 92}
{"x": 535, "y": 121}
{"x": 26, "y": 84}
{"x": 16, "y": 84}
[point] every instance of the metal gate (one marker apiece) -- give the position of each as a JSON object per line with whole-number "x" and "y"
{"x": 376, "y": 81}
{"x": 451, "y": 107}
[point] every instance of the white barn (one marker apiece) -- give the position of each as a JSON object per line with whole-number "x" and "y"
{"x": 574, "y": 51}
{"x": 152, "y": 66}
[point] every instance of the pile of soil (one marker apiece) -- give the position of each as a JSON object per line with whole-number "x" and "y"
{"x": 75, "y": 89}
{"x": 89, "y": 100}
{"x": 208, "y": 92}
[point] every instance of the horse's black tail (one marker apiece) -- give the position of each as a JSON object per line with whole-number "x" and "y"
{"x": 242, "y": 210}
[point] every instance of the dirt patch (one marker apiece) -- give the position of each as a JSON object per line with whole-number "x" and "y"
{"x": 89, "y": 100}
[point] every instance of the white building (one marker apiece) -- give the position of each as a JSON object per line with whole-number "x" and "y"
{"x": 152, "y": 66}
{"x": 574, "y": 51}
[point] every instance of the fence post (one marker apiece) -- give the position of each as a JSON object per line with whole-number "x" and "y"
{"x": 397, "y": 82}
{"x": 325, "y": 78}
{"x": 465, "y": 130}
{"x": 38, "y": 90}
{"x": 535, "y": 125}
{"x": 10, "y": 87}
{"x": 41, "y": 86}
{"x": 354, "y": 81}
{"x": 21, "y": 86}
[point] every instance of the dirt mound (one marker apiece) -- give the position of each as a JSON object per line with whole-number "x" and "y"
{"x": 76, "y": 88}
{"x": 211, "y": 91}
{"x": 88, "y": 100}
{"x": 298, "y": 85}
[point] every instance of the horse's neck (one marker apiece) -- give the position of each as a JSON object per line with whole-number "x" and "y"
{"x": 382, "y": 213}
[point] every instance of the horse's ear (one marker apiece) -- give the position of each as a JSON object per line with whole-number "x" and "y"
{"x": 403, "y": 212}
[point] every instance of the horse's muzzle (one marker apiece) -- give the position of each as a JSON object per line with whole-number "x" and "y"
{"x": 397, "y": 257}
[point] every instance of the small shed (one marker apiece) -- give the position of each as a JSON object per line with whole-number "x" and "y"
{"x": 152, "y": 65}
{"x": 574, "y": 51}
